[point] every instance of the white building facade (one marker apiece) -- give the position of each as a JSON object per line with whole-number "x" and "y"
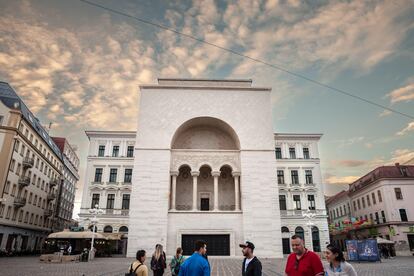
{"x": 382, "y": 199}
{"x": 108, "y": 183}
{"x": 301, "y": 190}
{"x": 204, "y": 168}
{"x": 207, "y": 147}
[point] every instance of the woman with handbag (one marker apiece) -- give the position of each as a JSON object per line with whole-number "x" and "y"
{"x": 158, "y": 261}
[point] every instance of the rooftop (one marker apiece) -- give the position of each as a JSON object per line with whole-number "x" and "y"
{"x": 385, "y": 172}
{"x": 336, "y": 197}
{"x": 298, "y": 135}
{"x": 10, "y": 98}
{"x": 110, "y": 133}
{"x": 202, "y": 84}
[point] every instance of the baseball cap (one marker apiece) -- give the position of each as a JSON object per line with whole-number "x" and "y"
{"x": 247, "y": 244}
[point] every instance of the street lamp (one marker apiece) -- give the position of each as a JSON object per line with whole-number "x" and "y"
{"x": 95, "y": 211}
{"x": 310, "y": 216}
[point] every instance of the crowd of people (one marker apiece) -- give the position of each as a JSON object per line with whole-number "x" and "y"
{"x": 301, "y": 262}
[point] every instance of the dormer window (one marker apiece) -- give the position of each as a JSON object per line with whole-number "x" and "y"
{"x": 403, "y": 171}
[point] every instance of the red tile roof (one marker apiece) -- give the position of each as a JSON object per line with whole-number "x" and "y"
{"x": 397, "y": 171}
{"x": 336, "y": 196}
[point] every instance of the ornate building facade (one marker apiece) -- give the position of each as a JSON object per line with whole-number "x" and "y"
{"x": 204, "y": 167}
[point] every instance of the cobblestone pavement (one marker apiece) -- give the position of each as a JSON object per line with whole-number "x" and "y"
{"x": 401, "y": 266}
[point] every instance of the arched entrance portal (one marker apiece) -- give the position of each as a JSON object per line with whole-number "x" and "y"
{"x": 205, "y": 167}
{"x": 205, "y": 179}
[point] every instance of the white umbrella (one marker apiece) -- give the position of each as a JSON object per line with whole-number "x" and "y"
{"x": 383, "y": 241}
{"x": 76, "y": 235}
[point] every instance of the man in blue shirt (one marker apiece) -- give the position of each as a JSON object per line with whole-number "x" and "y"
{"x": 196, "y": 265}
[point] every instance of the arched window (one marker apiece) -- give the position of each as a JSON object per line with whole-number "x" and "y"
{"x": 108, "y": 229}
{"x": 315, "y": 239}
{"x": 285, "y": 229}
{"x": 300, "y": 232}
{"x": 91, "y": 228}
{"x": 123, "y": 229}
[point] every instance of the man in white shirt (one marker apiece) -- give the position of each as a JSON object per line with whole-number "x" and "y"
{"x": 251, "y": 264}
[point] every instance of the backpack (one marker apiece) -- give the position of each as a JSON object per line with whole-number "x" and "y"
{"x": 177, "y": 265}
{"x": 132, "y": 273}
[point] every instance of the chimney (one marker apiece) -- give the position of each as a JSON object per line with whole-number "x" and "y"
{"x": 397, "y": 164}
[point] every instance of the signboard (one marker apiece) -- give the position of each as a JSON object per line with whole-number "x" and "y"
{"x": 362, "y": 250}
{"x": 352, "y": 249}
{"x": 368, "y": 250}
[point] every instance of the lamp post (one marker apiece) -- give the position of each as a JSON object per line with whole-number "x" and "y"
{"x": 310, "y": 216}
{"x": 95, "y": 211}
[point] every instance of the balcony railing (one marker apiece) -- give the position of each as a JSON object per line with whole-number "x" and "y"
{"x": 54, "y": 182}
{"x": 19, "y": 202}
{"x": 51, "y": 196}
{"x": 310, "y": 184}
{"x": 117, "y": 212}
{"x": 182, "y": 207}
{"x": 48, "y": 213}
{"x": 24, "y": 181}
{"x": 28, "y": 162}
{"x": 296, "y": 213}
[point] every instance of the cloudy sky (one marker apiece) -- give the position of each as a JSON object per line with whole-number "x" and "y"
{"x": 79, "y": 67}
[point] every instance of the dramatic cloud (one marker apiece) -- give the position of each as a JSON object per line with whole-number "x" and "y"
{"x": 403, "y": 94}
{"x": 331, "y": 38}
{"x": 340, "y": 179}
{"x": 407, "y": 129}
{"x": 349, "y": 163}
{"x": 86, "y": 75}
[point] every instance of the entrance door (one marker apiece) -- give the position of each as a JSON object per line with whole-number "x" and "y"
{"x": 217, "y": 245}
{"x": 205, "y": 204}
{"x": 10, "y": 241}
{"x": 411, "y": 241}
{"x": 286, "y": 245}
{"x": 25, "y": 240}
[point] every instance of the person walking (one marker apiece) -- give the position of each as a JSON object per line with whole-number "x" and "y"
{"x": 336, "y": 263}
{"x": 196, "y": 265}
{"x": 138, "y": 267}
{"x": 158, "y": 261}
{"x": 302, "y": 262}
{"x": 251, "y": 264}
{"x": 176, "y": 262}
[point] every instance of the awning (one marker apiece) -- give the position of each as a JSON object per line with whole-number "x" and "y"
{"x": 383, "y": 241}
{"x": 76, "y": 235}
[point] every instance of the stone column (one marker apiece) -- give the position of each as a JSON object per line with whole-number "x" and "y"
{"x": 216, "y": 175}
{"x": 174, "y": 175}
{"x": 195, "y": 175}
{"x": 236, "y": 176}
